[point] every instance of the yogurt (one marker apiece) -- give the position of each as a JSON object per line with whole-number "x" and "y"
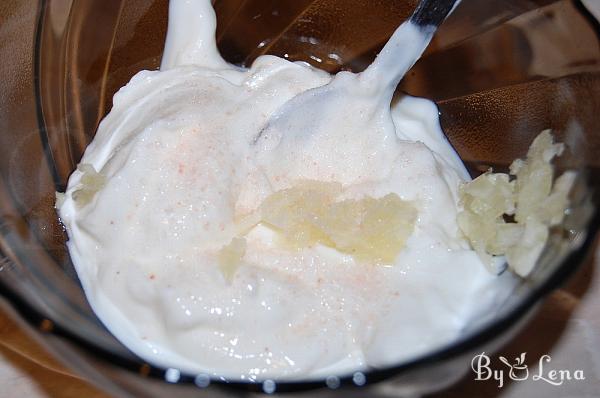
{"x": 180, "y": 158}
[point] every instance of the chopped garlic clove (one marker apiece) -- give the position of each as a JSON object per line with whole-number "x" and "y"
{"x": 534, "y": 175}
{"x": 489, "y": 195}
{"x": 523, "y": 256}
{"x": 552, "y": 210}
{"x": 507, "y": 235}
{"x": 476, "y": 228}
{"x": 90, "y": 183}
{"x": 230, "y": 257}
{"x": 295, "y": 211}
{"x": 534, "y": 200}
{"x": 369, "y": 229}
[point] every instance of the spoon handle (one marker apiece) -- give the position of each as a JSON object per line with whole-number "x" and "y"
{"x": 406, "y": 46}
{"x": 432, "y": 12}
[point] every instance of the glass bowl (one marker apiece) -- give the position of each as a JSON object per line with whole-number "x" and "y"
{"x": 500, "y": 72}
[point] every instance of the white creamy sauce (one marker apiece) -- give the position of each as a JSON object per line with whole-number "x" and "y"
{"x": 181, "y": 158}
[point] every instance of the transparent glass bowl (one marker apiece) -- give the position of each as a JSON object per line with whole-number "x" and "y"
{"x": 500, "y": 71}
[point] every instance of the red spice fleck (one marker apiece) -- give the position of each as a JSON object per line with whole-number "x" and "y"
{"x": 112, "y": 222}
{"x": 181, "y": 168}
{"x": 152, "y": 276}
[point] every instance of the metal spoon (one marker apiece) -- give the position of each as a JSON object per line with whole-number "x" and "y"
{"x": 309, "y": 111}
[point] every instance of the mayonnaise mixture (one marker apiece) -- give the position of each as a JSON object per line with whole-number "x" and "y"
{"x": 181, "y": 157}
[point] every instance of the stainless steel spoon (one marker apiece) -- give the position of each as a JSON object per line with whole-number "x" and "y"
{"x": 308, "y": 111}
